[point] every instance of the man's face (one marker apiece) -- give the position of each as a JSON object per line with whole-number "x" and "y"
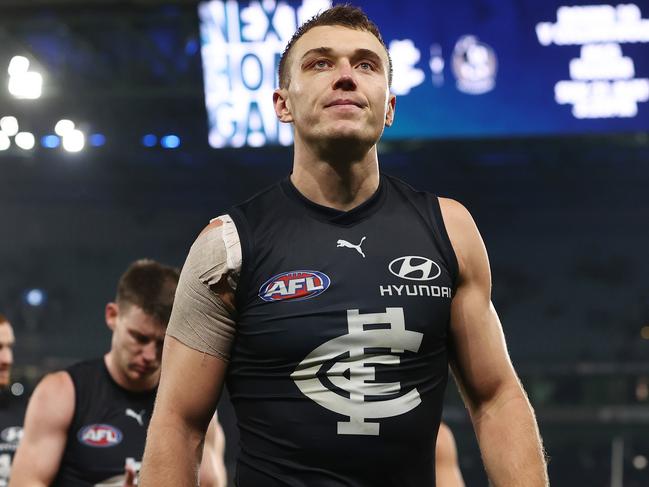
{"x": 137, "y": 342}
{"x": 6, "y": 353}
{"x": 338, "y": 86}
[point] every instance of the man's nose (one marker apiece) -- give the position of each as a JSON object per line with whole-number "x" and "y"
{"x": 150, "y": 351}
{"x": 345, "y": 76}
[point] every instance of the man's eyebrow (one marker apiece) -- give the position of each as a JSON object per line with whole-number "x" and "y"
{"x": 316, "y": 50}
{"x": 367, "y": 53}
{"x": 358, "y": 53}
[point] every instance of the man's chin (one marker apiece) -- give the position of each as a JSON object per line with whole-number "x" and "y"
{"x": 142, "y": 375}
{"x": 348, "y": 141}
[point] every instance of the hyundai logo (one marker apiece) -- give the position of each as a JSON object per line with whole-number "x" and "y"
{"x": 415, "y": 268}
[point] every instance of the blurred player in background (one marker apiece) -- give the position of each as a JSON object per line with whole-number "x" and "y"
{"x": 12, "y": 407}
{"x": 447, "y": 468}
{"x": 86, "y": 425}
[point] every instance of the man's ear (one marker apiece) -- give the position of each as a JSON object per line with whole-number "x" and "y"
{"x": 389, "y": 113}
{"x": 282, "y": 105}
{"x": 111, "y": 312}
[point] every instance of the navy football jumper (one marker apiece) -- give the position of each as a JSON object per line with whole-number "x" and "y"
{"x": 108, "y": 428}
{"x": 339, "y": 364}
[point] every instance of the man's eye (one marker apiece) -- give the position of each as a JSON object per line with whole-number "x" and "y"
{"x": 140, "y": 338}
{"x": 321, "y": 64}
{"x": 365, "y": 66}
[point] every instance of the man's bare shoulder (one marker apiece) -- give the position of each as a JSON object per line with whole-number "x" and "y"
{"x": 56, "y": 384}
{"x": 55, "y": 388}
{"x": 455, "y": 213}
{"x": 462, "y": 231}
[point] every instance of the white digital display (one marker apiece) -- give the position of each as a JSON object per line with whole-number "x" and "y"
{"x": 603, "y": 82}
{"x": 241, "y": 48}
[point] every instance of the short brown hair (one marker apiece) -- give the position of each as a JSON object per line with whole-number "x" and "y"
{"x": 3, "y": 319}
{"x": 149, "y": 285}
{"x": 345, "y": 15}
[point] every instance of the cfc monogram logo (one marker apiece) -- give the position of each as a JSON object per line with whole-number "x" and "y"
{"x": 353, "y": 371}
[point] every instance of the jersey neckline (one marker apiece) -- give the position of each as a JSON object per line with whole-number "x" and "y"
{"x": 333, "y": 215}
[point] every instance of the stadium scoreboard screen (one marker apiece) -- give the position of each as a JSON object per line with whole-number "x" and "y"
{"x": 461, "y": 69}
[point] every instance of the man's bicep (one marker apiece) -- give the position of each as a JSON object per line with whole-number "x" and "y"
{"x": 190, "y": 384}
{"x": 479, "y": 354}
{"x": 45, "y": 431}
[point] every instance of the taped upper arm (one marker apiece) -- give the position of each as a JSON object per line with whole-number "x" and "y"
{"x": 49, "y": 415}
{"x": 203, "y": 315}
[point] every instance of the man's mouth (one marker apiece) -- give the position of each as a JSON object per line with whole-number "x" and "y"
{"x": 142, "y": 370}
{"x": 344, "y": 102}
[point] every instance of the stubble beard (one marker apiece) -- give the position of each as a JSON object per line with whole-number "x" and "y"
{"x": 343, "y": 146}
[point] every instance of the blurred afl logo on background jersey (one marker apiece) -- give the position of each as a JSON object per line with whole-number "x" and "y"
{"x": 100, "y": 435}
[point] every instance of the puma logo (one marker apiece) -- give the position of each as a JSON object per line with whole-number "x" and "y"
{"x": 137, "y": 417}
{"x": 345, "y": 243}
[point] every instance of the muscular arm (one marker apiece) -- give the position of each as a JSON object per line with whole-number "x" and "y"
{"x": 190, "y": 385}
{"x": 191, "y": 378}
{"x": 447, "y": 469}
{"x": 500, "y": 411}
{"x": 47, "y": 420}
{"x": 212, "y": 472}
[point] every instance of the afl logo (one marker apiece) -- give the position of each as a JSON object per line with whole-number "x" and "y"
{"x": 415, "y": 268}
{"x": 294, "y": 285}
{"x": 100, "y": 435}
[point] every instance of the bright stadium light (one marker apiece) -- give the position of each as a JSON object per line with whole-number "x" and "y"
{"x": 74, "y": 141}
{"x": 25, "y": 140}
{"x": 9, "y": 125}
{"x": 18, "y": 66}
{"x": 64, "y": 126}
{"x": 5, "y": 143}
{"x": 28, "y": 86}
{"x": 23, "y": 83}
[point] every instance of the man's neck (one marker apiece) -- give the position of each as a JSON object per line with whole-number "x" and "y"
{"x": 342, "y": 184}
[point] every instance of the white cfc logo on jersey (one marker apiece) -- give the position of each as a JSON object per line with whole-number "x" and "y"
{"x": 356, "y": 374}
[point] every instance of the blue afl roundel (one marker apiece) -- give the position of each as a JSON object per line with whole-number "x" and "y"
{"x": 100, "y": 435}
{"x": 294, "y": 285}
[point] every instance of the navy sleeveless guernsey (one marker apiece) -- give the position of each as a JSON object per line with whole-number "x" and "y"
{"x": 339, "y": 364}
{"x": 12, "y": 414}
{"x": 109, "y": 426}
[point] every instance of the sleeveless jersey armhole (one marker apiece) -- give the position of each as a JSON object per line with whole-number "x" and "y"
{"x": 245, "y": 239}
{"x": 73, "y": 372}
{"x": 447, "y": 246}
